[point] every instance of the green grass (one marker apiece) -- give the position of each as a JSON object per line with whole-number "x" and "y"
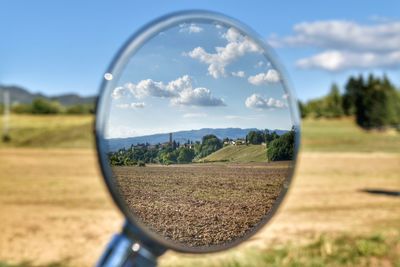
{"x": 251, "y": 153}
{"x": 372, "y": 250}
{"x": 342, "y": 135}
{"x": 49, "y": 131}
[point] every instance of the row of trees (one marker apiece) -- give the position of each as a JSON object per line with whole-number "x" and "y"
{"x": 259, "y": 137}
{"x": 279, "y": 148}
{"x": 373, "y": 101}
{"x": 44, "y": 106}
{"x": 165, "y": 153}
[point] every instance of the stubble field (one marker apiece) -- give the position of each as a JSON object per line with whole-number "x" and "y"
{"x": 202, "y": 205}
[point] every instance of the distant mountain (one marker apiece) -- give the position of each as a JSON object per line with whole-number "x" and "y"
{"x": 21, "y": 95}
{"x": 181, "y": 136}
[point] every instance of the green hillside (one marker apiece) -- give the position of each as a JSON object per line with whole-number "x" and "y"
{"x": 48, "y": 131}
{"x": 251, "y": 153}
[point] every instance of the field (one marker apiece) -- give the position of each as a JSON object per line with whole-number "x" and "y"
{"x": 55, "y": 210}
{"x": 251, "y": 153}
{"x": 202, "y": 204}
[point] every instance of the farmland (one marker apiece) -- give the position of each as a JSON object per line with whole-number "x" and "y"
{"x": 202, "y": 204}
{"x": 55, "y": 210}
{"x": 251, "y": 153}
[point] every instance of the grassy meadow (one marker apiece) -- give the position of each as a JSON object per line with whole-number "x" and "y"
{"x": 55, "y": 210}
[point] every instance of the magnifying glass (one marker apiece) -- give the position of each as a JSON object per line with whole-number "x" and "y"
{"x": 197, "y": 133}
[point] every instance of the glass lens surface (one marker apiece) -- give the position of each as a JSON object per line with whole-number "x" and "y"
{"x": 199, "y": 134}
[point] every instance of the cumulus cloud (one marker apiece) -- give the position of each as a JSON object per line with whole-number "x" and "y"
{"x": 256, "y": 101}
{"x": 237, "y": 46}
{"x": 271, "y": 76}
{"x": 285, "y": 96}
{"x": 346, "y": 44}
{"x": 134, "y": 105}
{"x": 239, "y": 73}
{"x": 119, "y": 92}
{"x": 180, "y": 91}
{"x": 335, "y": 60}
{"x": 190, "y": 28}
{"x": 197, "y": 97}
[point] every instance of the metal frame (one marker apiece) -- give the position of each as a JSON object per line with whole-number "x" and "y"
{"x": 139, "y": 231}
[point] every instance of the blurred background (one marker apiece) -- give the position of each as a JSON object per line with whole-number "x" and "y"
{"x": 344, "y": 60}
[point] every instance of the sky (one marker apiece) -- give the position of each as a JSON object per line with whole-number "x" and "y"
{"x": 56, "y": 47}
{"x": 197, "y": 75}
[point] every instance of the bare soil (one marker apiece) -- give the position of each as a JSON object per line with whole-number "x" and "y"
{"x": 201, "y": 205}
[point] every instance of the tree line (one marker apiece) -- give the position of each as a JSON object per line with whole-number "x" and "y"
{"x": 373, "y": 101}
{"x": 278, "y": 148}
{"x": 166, "y": 154}
{"x": 48, "y": 107}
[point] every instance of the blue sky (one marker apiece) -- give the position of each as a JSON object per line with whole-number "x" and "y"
{"x": 64, "y": 46}
{"x": 197, "y": 75}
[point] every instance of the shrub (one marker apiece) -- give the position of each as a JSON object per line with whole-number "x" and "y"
{"x": 141, "y": 164}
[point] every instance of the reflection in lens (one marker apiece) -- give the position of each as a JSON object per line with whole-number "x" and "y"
{"x": 200, "y": 134}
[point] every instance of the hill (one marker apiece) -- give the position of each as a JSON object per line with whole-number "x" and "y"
{"x": 251, "y": 153}
{"x": 181, "y": 136}
{"x": 21, "y": 95}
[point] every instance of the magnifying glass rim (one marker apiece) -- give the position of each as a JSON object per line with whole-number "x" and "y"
{"x": 135, "y": 43}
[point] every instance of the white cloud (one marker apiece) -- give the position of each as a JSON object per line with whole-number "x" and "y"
{"x": 346, "y": 44}
{"x": 271, "y": 76}
{"x": 180, "y": 91}
{"x": 194, "y": 115}
{"x": 134, "y": 105}
{"x": 239, "y": 73}
{"x": 256, "y": 101}
{"x": 285, "y": 96}
{"x": 237, "y": 46}
{"x": 344, "y": 34}
{"x": 334, "y": 60}
{"x": 119, "y": 92}
{"x": 190, "y": 28}
{"x": 197, "y": 97}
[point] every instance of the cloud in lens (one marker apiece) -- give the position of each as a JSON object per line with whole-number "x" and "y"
{"x": 237, "y": 46}
{"x": 197, "y": 97}
{"x": 256, "y": 101}
{"x": 239, "y": 73}
{"x": 271, "y": 76}
{"x": 345, "y": 44}
{"x": 190, "y": 28}
{"x": 180, "y": 92}
{"x": 134, "y": 105}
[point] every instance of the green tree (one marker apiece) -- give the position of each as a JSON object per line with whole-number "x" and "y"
{"x": 43, "y": 106}
{"x": 282, "y": 148}
{"x": 376, "y": 103}
{"x": 333, "y": 103}
{"x": 304, "y": 112}
{"x": 210, "y": 143}
{"x": 186, "y": 155}
{"x": 255, "y": 137}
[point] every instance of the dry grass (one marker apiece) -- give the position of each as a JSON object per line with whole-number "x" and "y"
{"x": 54, "y": 207}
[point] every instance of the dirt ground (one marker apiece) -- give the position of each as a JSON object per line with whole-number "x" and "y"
{"x": 55, "y": 208}
{"x": 201, "y": 205}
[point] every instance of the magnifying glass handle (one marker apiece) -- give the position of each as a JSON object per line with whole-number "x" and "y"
{"x": 123, "y": 251}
